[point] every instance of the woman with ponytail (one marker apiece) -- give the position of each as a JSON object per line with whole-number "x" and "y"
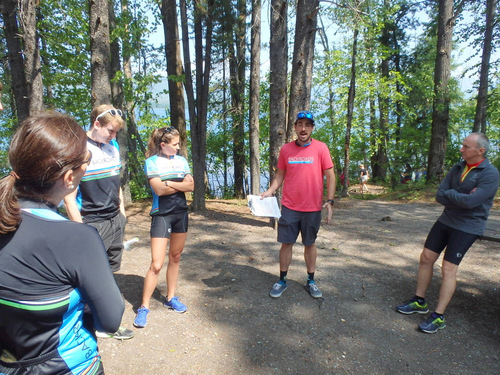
{"x": 55, "y": 284}
{"x": 170, "y": 177}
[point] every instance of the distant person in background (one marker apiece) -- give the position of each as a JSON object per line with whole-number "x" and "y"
{"x": 55, "y": 282}
{"x": 98, "y": 201}
{"x": 467, "y": 194}
{"x": 363, "y": 178}
{"x": 407, "y": 174}
{"x": 302, "y": 167}
{"x": 170, "y": 178}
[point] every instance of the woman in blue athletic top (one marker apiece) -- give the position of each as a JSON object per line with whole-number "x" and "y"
{"x": 170, "y": 177}
{"x": 55, "y": 283}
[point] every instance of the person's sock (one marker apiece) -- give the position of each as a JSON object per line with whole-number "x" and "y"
{"x": 283, "y": 276}
{"x": 420, "y": 300}
{"x": 310, "y": 277}
{"x": 436, "y": 315}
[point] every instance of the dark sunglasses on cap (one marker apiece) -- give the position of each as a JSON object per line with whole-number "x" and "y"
{"x": 112, "y": 111}
{"x": 305, "y": 114}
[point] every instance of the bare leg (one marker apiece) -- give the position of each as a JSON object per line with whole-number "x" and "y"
{"x": 177, "y": 241}
{"x": 425, "y": 271}
{"x": 285, "y": 256}
{"x": 448, "y": 286}
{"x": 310, "y": 254}
{"x": 158, "y": 249}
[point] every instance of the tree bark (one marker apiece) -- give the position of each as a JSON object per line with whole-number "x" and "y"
{"x": 350, "y": 111}
{"x": 441, "y": 103}
{"x": 100, "y": 52}
{"x": 237, "y": 71}
{"x": 198, "y": 105}
{"x": 278, "y": 93}
{"x": 303, "y": 57}
{"x": 14, "y": 46}
{"x": 174, "y": 69}
{"x": 32, "y": 61}
{"x": 254, "y": 98}
{"x": 118, "y": 102}
{"x": 482, "y": 95}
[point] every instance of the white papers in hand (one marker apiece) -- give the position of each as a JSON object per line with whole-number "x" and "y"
{"x": 267, "y": 207}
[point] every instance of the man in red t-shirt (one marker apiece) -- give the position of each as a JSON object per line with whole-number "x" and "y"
{"x": 302, "y": 166}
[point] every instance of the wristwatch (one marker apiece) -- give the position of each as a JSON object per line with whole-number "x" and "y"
{"x": 331, "y": 201}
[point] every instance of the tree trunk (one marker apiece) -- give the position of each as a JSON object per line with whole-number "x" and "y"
{"x": 118, "y": 101}
{"x": 303, "y": 57}
{"x": 350, "y": 111}
{"x": 16, "y": 63}
{"x": 441, "y": 103}
{"x": 278, "y": 56}
{"x": 254, "y": 98}
{"x": 237, "y": 69}
{"x": 100, "y": 52}
{"x": 482, "y": 95}
{"x": 198, "y": 106}
{"x": 174, "y": 69}
{"x": 32, "y": 62}
{"x": 379, "y": 158}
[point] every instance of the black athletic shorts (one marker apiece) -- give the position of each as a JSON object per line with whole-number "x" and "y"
{"x": 292, "y": 222}
{"x": 455, "y": 241}
{"x": 163, "y": 225}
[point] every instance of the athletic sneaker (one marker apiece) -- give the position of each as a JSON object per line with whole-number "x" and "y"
{"x": 278, "y": 289}
{"x": 432, "y": 324}
{"x": 121, "y": 334}
{"x": 313, "y": 290}
{"x": 140, "y": 320}
{"x": 412, "y": 306}
{"x": 176, "y": 305}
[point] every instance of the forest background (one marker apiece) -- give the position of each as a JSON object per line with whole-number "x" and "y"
{"x": 378, "y": 75}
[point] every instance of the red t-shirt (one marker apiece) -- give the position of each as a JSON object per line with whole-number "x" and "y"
{"x": 304, "y": 166}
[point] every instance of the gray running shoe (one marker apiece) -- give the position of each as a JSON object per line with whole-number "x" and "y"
{"x": 412, "y": 306}
{"x": 313, "y": 290}
{"x": 278, "y": 289}
{"x": 432, "y": 324}
{"x": 121, "y": 334}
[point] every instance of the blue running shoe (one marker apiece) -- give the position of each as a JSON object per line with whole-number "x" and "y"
{"x": 412, "y": 306}
{"x": 278, "y": 289}
{"x": 140, "y": 320}
{"x": 432, "y": 324}
{"x": 313, "y": 290}
{"x": 176, "y": 305}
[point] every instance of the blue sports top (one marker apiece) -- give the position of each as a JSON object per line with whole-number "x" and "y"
{"x": 172, "y": 169}
{"x": 55, "y": 287}
{"x": 98, "y": 194}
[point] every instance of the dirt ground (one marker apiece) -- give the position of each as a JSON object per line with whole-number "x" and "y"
{"x": 365, "y": 267}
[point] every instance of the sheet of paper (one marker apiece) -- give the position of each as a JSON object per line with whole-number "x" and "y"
{"x": 267, "y": 207}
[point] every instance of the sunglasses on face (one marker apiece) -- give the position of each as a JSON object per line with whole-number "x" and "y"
{"x": 86, "y": 161}
{"x": 112, "y": 111}
{"x": 89, "y": 159}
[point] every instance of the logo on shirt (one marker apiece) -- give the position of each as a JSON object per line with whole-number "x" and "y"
{"x": 301, "y": 160}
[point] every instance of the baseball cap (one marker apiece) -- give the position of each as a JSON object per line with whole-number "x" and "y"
{"x": 305, "y": 114}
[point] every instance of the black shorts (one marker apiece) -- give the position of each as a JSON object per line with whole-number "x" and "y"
{"x": 292, "y": 222}
{"x": 455, "y": 241}
{"x": 163, "y": 225}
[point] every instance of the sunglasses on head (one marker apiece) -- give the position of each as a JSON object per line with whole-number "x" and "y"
{"x": 168, "y": 129}
{"x": 305, "y": 114}
{"x": 112, "y": 111}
